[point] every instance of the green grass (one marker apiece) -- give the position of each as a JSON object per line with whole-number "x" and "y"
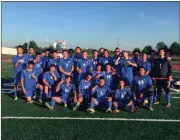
{"x": 84, "y": 129}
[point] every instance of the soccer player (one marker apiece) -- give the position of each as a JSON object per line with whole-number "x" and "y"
{"x": 162, "y": 75}
{"x": 114, "y": 60}
{"x": 123, "y": 97}
{"x": 85, "y": 88}
{"x": 145, "y": 63}
{"x": 104, "y": 59}
{"x": 94, "y": 60}
{"x": 19, "y": 62}
{"x": 28, "y": 81}
{"x": 45, "y": 60}
{"x": 127, "y": 65}
{"x": 54, "y": 60}
{"x": 108, "y": 76}
{"x": 71, "y": 53}
{"x": 96, "y": 74}
{"x": 65, "y": 89}
{"x": 137, "y": 60}
{"x": 50, "y": 79}
{"x": 83, "y": 66}
{"x": 101, "y": 50}
{"x": 66, "y": 65}
{"x": 141, "y": 86}
{"x": 30, "y": 56}
{"x": 100, "y": 96}
{"x": 38, "y": 69}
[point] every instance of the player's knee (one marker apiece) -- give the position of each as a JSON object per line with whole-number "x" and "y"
{"x": 109, "y": 99}
{"x": 41, "y": 87}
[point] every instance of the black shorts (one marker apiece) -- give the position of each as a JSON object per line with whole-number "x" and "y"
{"x": 162, "y": 83}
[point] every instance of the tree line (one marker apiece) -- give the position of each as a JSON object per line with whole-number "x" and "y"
{"x": 173, "y": 49}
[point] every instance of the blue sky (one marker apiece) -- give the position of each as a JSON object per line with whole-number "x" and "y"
{"x": 91, "y": 24}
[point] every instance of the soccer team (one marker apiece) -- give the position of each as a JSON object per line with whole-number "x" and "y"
{"x": 102, "y": 81}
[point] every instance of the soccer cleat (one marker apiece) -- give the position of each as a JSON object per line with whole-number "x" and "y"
{"x": 145, "y": 102}
{"x": 40, "y": 101}
{"x": 65, "y": 104}
{"x": 108, "y": 110}
{"x": 168, "y": 105}
{"x": 34, "y": 97}
{"x": 51, "y": 108}
{"x": 76, "y": 106}
{"x": 132, "y": 110}
{"x": 29, "y": 102}
{"x": 16, "y": 98}
{"x": 116, "y": 111}
{"x": 90, "y": 110}
{"x": 156, "y": 103}
{"x": 47, "y": 105}
{"x": 150, "y": 108}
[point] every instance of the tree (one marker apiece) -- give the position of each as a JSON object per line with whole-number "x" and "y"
{"x": 51, "y": 48}
{"x": 174, "y": 48}
{"x": 147, "y": 49}
{"x": 33, "y": 44}
{"x": 136, "y": 50}
{"x": 161, "y": 45}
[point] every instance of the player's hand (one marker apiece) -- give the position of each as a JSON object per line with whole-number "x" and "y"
{"x": 94, "y": 88}
{"x": 128, "y": 62}
{"x": 49, "y": 87}
{"x": 24, "y": 91}
{"x": 168, "y": 84}
{"x": 98, "y": 75}
{"x": 79, "y": 70}
{"x": 21, "y": 60}
{"x": 141, "y": 95}
{"x": 134, "y": 98}
{"x": 33, "y": 76}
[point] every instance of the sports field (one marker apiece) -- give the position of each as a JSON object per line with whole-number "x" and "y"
{"x": 34, "y": 121}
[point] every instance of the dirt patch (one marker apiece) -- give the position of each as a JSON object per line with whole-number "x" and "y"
{"x": 6, "y": 60}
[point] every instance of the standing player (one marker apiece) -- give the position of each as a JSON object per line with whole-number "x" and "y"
{"x": 145, "y": 63}
{"x": 50, "y": 79}
{"x": 85, "y": 87}
{"x": 127, "y": 65}
{"x": 105, "y": 59}
{"x": 65, "y": 89}
{"x": 162, "y": 75}
{"x": 94, "y": 60}
{"x": 30, "y": 56}
{"x": 123, "y": 97}
{"x": 71, "y": 53}
{"x": 141, "y": 86}
{"x": 28, "y": 81}
{"x": 114, "y": 60}
{"x": 100, "y": 97}
{"x": 66, "y": 65}
{"x": 38, "y": 69}
{"x": 19, "y": 62}
{"x": 54, "y": 61}
{"x": 137, "y": 60}
{"x": 83, "y": 66}
{"x": 45, "y": 60}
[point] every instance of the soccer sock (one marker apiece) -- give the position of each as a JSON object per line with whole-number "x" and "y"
{"x": 53, "y": 102}
{"x": 150, "y": 101}
{"x": 91, "y": 105}
{"x": 168, "y": 97}
{"x": 132, "y": 106}
{"x": 159, "y": 96}
{"x": 15, "y": 93}
{"x": 40, "y": 94}
{"x": 109, "y": 104}
{"x": 155, "y": 94}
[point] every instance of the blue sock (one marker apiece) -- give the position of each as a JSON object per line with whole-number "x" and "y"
{"x": 168, "y": 97}
{"x": 109, "y": 104}
{"x": 40, "y": 94}
{"x": 159, "y": 96}
{"x": 150, "y": 101}
{"x": 91, "y": 105}
{"x": 53, "y": 102}
{"x": 132, "y": 106}
{"x": 15, "y": 93}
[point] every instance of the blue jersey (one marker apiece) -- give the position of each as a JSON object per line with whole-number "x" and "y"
{"x": 94, "y": 63}
{"x": 140, "y": 83}
{"x": 76, "y": 59}
{"x": 126, "y": 69}
{"x": 55, "y": 62}
{"x": 121, "y": 94}
{"x": 21, "y": 65}
{"x": 38, "y": 67}
{"x": 101, "y": 92}
{"x": 49, "y": 78}
{"x": 66, "y": 64}
{"x": 146, "y": 65}
{"x": 108, "y": 78}
{"x": 85, "y": 65}
{"x": 116, "y": 67}
{"x": 66, "y": 90}
{"x": 135, "y": 69}
{"x": 29, "y": 82}
{"x": 45, "y": 61}
{"x": 103, "y": 61}
{"x": 30, "y": 57}
{"x": 85, "y": 88}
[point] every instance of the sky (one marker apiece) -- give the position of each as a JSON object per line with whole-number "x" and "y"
{"x": 91, "y": 24}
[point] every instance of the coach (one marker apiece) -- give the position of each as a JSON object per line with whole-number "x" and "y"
{"x": 162, "y": 75}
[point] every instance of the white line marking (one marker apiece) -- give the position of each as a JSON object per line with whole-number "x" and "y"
{"x": 176, "y": 97}
{"x": 98, "y": 119}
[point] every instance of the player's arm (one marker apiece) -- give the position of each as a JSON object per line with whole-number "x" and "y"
{"x": 59, "y": 86}
{"x": 148, "y": 68}
{"x": 74, "y": 93}
{"x": 54, "y": 76}
{"x": 22, "y": 82}
{"x": 132, "y": 63}
{"x": 117, "y": 61}
{"x": 33, "y": 76}
{"x": 170, "y": 71}
{"x": 45, "y": 81}
{"x": 61, "y": 70}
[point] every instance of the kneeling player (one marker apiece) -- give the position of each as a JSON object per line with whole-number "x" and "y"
{"x": 28, "y": 81}
{"x": 84, "y": 90}
{"x": 100, "y": 95}
{"x": 141, "y": 86}
{"x": 123, "y": 97}
{"x": 65, "y": 89}
{"x": 50, "y": 79}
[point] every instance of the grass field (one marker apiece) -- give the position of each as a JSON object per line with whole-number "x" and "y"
{"x": 65, "y": 129}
